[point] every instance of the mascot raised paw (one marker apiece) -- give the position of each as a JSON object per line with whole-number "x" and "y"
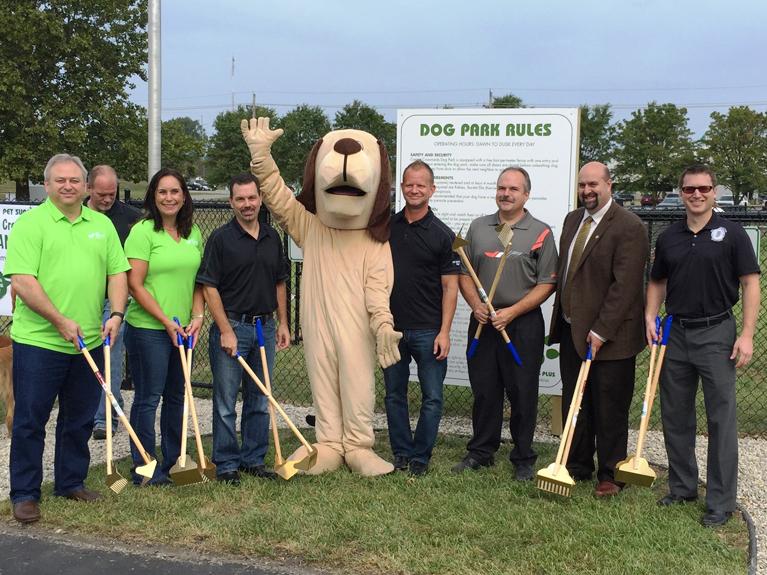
{"x": 341, "y": 221}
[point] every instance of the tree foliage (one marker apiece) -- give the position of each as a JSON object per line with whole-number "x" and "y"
{"x": 652, "y": 148}
{"x": 303, "y": 127}
{"x": 507, "y": 101}
{"x": 65, "y": 68}
{"x": 736, "y": 146}
{"x": 183, "y": 144}
{"x": 597, "y": 134}
{"x": 360, "y": 116}
{"x": 227, "y": 153}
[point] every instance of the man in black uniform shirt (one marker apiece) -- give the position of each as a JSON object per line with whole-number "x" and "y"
{"x": 243, "y": 273}
{"x": 103, "y": 187}
{"x": 700, "y": 264}
{"x": 422, "y": 302}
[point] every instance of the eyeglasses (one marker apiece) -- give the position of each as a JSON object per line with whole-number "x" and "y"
{"x": 691, "y": 189}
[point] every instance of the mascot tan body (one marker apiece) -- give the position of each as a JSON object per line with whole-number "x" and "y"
{"x": 346, "y": 282}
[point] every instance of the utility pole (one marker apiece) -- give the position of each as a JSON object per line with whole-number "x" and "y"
{"x": 232, "y": 83}
{"x": 155, "y": 90}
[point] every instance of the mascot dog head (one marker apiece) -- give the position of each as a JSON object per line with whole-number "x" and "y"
{"x": 347, "y": 183}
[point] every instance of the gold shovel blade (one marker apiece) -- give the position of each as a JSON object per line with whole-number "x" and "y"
{"x": 286, "y": 469}
{"x": 306, "y": 463}
{"x": 459, "y": 242}
{"x": 186, "y": 472}
{"x": 146, "y": 471}
{"x": 115, "y": 481}
{"x": 635, "y": 471}
{"x": 209, "y": 471}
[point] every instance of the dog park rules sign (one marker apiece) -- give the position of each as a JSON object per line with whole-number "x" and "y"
{"x": 8, "y": 215}
{"x": 467, "y": 149}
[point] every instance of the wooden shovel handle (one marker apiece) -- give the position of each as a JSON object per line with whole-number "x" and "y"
{"x": 570, "y": 412}
{"x": 273, "y": 401}
{"x": 108, "y": 406}
{"x": 579, "y": 399}
{"x": 192, "y": 408}
{"x": 643, "y": 423}
{"x": 115, "y": 405}
{"x": 273, "y": 418}
{"x": 496, "y": 281}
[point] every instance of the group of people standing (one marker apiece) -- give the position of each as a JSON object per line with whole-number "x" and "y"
{"x": 66, "y": 254}
{"x": 701, "y": 265}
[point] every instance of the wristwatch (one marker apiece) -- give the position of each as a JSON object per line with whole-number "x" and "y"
{"x": 119, "y": 314}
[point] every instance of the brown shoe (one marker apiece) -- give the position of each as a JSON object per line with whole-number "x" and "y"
{"x": 607, "y": 489}
{"x": 26, "y": 511}
{"x": 84, "y": 495}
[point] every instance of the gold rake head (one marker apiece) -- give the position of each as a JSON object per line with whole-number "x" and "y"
{"x": 119, "y": 485}
{"x": 555, "y": 488}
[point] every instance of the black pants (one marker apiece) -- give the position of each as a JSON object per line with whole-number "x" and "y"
{"x": 493, "y": 371}
{"x": 603, "y": 420}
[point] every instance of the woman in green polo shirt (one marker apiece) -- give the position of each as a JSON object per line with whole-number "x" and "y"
{"x": 164, "y": 250}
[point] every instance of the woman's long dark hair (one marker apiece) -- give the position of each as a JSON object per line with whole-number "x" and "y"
{"x": 184, "y": 215}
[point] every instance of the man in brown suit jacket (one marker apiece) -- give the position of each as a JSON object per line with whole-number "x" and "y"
{"x": 602, "y": 256}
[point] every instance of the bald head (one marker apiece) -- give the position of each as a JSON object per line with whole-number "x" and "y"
{"x": 594, "y": 186}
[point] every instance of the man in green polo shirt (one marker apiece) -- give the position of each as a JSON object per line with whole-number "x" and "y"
{"x": 61, "y": 257}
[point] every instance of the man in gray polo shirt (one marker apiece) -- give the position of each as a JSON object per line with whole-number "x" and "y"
{"x": 528, "y": 279}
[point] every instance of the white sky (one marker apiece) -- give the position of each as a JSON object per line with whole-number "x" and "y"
{"x": 702, "y": 54}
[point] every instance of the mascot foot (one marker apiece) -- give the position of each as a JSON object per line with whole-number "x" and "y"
{"x": 327, "y": 459}
{"x": 367, "y": 463}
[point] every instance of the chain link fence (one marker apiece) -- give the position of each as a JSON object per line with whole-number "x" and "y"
{"x": 291, "y": 383}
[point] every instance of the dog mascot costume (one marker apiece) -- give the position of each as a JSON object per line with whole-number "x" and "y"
{"x": 341, "y": 220}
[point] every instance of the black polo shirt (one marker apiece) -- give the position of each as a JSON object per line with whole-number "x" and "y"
{"x": 122, "y": 217}
{"x": 243, "y": 269}
{"x": 422, "y": 252}
{"x": 703, "y": 269}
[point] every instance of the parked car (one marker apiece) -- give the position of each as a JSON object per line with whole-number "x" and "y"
{"x": 198, "y": 184}
{"x": 648, "y": 200}
{"x": 672, "y": 201}
{"x": 725, "y": 200}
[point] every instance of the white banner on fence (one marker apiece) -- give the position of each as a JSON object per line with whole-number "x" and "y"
{"x": 467, "y": 149}
{"x": 8, "y": 215}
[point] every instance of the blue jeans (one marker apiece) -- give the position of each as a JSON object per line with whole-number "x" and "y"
{"x": 417, "y": 344}
{"x": 228, "y": 375}
{"x": 117, "y": 352}
{"x": 156, "y": 370}
{"x": 39, "y": 376}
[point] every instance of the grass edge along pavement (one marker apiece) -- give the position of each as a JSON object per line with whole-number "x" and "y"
{"x": 477, "y": 522}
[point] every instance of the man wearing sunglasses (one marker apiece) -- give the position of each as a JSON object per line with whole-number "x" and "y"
{"x": 701, "y": 263}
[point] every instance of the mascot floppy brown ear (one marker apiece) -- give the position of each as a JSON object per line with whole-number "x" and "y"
{"x": 347, "y": 181}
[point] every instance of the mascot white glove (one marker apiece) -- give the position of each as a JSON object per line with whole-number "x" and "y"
{"x": 387, "y": 345}
{"x": 259, "y": 137}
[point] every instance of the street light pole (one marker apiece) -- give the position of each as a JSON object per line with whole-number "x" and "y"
{"x": 155, "y": 89}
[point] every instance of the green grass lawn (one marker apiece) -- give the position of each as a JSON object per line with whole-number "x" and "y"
{"x": 478, "y": 522}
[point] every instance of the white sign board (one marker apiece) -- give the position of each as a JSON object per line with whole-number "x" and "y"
{"x": 467, "y": 149}
{"x": 8, "y": 215}
{"x": 755, "y": 236}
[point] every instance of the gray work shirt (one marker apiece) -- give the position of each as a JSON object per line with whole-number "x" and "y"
{"x": 532, "y": 257}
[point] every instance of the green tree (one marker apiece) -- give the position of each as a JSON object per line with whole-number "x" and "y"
{"x": 597, "y": 133}
{"x": 303, "y": 127}
{"x": 121, "y": 142}
{"x": 65, "y": 68}
{"x": 507, "y": 101}
{"x": 736, "y": 146}
{"x": 228, "y": 154}
{"x": 183, "y": 144}
{"x": 360, "y": 116}
{"x": 652, "y": 148}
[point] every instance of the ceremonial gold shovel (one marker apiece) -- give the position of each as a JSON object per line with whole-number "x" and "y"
{"x": 635, "y": 469}
{"x": 146, "y": 470}
{"x": 304, "y": 463}
{"x": 285, "y": 469}
{"x": 114, "y": 480}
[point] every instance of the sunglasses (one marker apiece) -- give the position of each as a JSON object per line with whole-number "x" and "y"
{"x": 691, "y": 189}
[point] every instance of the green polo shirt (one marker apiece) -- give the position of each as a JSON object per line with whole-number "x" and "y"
{"x": 172, "y": 268}
{"x": 71, "y": 260}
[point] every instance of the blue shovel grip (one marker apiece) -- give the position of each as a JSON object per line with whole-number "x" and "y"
{"x": 108, "y": 340}
{"x": 657, "y": 330}
{"x": 190, "y": 342}
{"x": 260, "y": 332}
{"x": 472, "y": 348}
{"x": 81, "y": 343}
{"x": 666, "y": 329}
{"x": 179, "y": 337}
{"x": 588, "y": 353}
{"x": 513, "y": 351}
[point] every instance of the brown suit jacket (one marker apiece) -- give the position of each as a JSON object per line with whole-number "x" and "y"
{"x": 608, "y": 284}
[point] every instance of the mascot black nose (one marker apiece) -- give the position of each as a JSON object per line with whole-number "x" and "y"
{"x": 347, "y": 146}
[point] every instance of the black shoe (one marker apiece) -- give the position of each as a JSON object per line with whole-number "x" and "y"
{"x": 673, "y": 499}
{"x": 469, "y": 462}
{"x": 99, "y": 434}
{"x": 230, "y": 477}
{"x": 715, "y": 518}
{"x": 581, "y": 476}
{"x": 418, "y": 468}
{"x": 400, "y": 463}
{"x": 259, "y": 471}
{"x": 524, "y": 472}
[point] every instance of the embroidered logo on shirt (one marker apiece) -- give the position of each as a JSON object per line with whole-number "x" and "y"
{"x": 96, "y": 236}
{"x": 192, "y": 242}
{"x": 717, "y": 235}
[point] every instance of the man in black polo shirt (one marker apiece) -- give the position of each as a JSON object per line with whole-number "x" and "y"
{"x": 103, "y": 187}
{"x": 422, "y": 302}
{"x": 243, "y": 273}
{"x": 700, "y": 264}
